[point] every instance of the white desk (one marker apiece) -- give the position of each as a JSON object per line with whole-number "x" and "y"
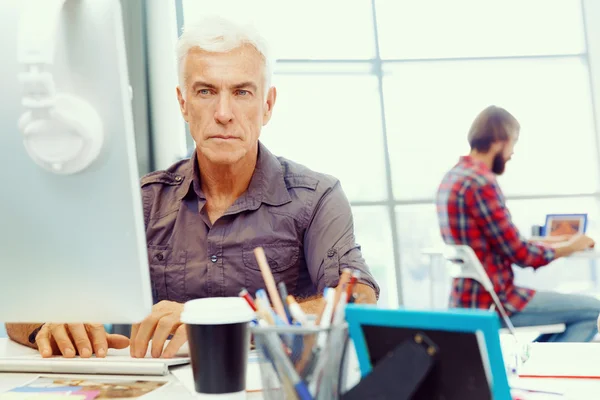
{"x": 181, "y": 382}
{"x": 560, "y": 354}
{"x": 581, "y": 358}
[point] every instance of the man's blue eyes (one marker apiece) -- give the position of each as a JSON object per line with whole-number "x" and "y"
{"x": 240, "y": 92}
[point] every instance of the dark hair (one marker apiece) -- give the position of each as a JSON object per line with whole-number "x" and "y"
{"x": 491, "y": 125}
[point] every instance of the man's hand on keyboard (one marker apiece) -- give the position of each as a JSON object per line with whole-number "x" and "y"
{"x": 72, "y": 339}
{"x": 165, "y": 320}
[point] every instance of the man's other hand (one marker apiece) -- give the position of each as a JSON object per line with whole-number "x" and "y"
{"x": 164, "y": 321}
{"x": 580, "y": 243}
{"x": 72, "y": 339}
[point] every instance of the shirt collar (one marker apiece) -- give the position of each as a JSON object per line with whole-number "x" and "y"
{"x": 267, "y": 184}
{"x": 468, "y": 160}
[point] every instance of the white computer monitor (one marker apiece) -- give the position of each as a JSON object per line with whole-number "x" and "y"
{"x": 72, "y": 245}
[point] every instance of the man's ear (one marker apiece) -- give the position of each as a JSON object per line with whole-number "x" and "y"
{"x": 182, "y": 104}
{"x": 497, "y": 146}
{"x": 269, "y": 104}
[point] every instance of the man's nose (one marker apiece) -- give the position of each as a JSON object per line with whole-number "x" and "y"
{"x": 224, "y": 113}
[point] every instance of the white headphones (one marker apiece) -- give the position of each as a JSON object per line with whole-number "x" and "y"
{"x": 62, "y": 133}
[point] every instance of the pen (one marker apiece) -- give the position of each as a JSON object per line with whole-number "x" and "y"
{"x": 261, "y": 259}
{"x": 284, "y": 365}
{"x": 335, "y": 344}
{"x": 344, "y": 279}
{"x": 296, "y": 311}
{"x": 350, "y": 288}
{"x": 340, "y": 311}
{"x": 284, "y": 294}
{"x": 327, "y": 314}
{"x": 246, "y": 296}
{"x": 264, "y": 307}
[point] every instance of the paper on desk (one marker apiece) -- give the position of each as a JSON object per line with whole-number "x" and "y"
{"x": 565, "y": 360}
{"x": 117, "y": 362}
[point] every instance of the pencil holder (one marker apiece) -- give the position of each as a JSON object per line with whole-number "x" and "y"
{"x": 300, "y": 362}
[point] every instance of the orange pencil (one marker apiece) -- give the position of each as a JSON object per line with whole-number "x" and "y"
{"x": 259, "y": 253}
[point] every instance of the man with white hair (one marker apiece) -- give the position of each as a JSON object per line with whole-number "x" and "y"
{"x": 204, "y": 216}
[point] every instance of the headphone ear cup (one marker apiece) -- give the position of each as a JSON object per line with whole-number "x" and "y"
{"x": 68, "y": 139}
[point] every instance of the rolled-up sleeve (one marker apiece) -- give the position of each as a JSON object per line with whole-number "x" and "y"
{"x": 330, "y": 245}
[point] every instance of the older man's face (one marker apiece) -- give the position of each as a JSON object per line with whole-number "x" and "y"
{"x": 224, "y": 102}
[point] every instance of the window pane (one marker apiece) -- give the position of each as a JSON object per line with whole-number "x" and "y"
{"x": 332, "y": 124}
{"x": 300, "y": 30}
{"x": 570, "y": 275}
{"x": 430, "y": 107}
{"x": 441, "y": 28}
{"x": 417, "y": 230}
{"x": 373, "y": 232}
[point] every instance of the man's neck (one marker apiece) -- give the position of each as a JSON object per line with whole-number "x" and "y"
{"x": 486, "y": 158}
{"x": 226, "y": 182}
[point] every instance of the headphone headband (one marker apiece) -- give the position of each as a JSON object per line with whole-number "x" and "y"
{"x": 36, "y": 44}
{"x": 37, "y": 31}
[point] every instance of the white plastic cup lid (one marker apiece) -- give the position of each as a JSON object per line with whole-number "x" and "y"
{"x": 217, "y": 311}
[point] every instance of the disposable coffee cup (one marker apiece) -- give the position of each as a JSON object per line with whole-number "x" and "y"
{"x": 219, "y": 340}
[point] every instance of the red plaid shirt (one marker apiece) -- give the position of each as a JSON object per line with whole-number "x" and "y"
{"x": 471, "y": 210}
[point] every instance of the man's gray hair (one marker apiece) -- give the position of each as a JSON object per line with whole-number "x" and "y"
{"x": 216, "y": 34}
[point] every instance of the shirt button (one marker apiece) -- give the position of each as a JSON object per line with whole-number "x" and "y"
{"x": 330, "y": 253}
{"x": 178, "y": 178}
{"x": 160, "y": 257}
{"x": 213, "y": 258}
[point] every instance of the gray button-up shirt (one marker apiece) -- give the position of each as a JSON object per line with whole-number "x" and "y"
{"x": 301, "y": 218}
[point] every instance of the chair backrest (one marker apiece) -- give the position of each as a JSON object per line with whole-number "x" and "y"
{"x": 469, "y": 265}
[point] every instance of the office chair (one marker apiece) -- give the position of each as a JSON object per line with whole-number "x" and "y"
{"x": 470, "y": 267}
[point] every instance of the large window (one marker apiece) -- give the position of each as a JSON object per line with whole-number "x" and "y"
{"x": 381, "y": 93}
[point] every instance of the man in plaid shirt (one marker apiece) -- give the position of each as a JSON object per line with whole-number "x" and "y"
{"x": 472, "y": 211}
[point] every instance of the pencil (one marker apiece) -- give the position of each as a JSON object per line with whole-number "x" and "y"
{"x": 344, "y": 279}
{"x": 259, "y": 253}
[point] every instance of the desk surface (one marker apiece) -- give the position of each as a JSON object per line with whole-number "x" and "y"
{"x": 181, "y": 382}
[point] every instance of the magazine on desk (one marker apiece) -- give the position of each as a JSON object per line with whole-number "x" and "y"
{"x": 83, "y": 388}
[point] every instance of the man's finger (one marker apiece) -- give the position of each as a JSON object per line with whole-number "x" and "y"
{"x": 143, "y": 336}
{"x": 97, "y": 336}
{"x": 178, "y": 340}
{"x": 165, "y": 326}
{"x": 42, "y": 340}
{"x": 63, "y": 341}
{"x": 117, "y": 341}
{"x": 81, "y": 339}
{"x": 134, "y": 330}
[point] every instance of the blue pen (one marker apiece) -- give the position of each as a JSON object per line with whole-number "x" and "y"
{"x": 263, "y": 299}
{"x": 282, "y": 362}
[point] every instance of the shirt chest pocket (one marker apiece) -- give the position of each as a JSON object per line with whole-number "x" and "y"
{"x": 167, "y": 272}
{"x": 284, "y": 261}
